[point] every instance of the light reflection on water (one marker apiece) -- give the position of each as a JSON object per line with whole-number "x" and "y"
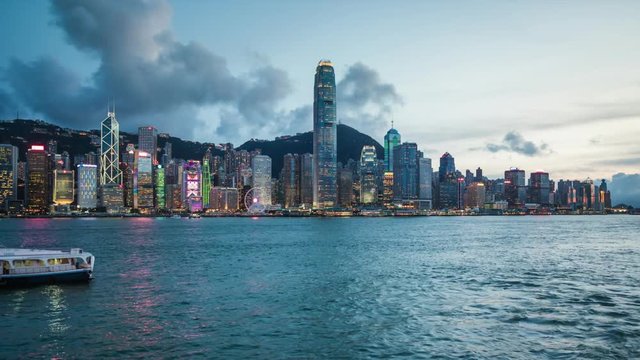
{"x": 334, "y": 288}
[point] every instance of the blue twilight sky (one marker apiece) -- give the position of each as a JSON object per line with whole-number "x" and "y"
{"x": 551, "y": 85}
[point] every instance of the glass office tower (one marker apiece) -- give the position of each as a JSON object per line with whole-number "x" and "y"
{"x": 325, "y": 136}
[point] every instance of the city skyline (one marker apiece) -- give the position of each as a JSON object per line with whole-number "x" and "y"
{"x": 580, "y": 121}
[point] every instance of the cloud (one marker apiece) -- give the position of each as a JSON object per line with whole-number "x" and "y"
{"x": 514, "y": 142}
{"x": 625, "y": 188}
{"x": 145, "y": 70}
{"x": 7, "y": 106}
{"x": 364, "y": 100}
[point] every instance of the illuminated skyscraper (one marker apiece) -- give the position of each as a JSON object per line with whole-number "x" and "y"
{"x": 368, "y": 172}
{"x": 405, "y": 172}
{"x": 325, "y": 137}
{"x": 38, "y": 195}
{"x": 142, "y": 180}
{"x": 8, "y": 174}
{"x": 539, "y": 188}
{"x": 87, "y": 186}
{"x": 261, "y": 166}
{"x": 63, "y": 187}
{"x": 159, "y": 190}
{"x": 206, "y": 179}
{"x": 148, "y": 141}
{"x": 475, "y": 194}
{"x": 391, "y": 140}
{"x": 291, "y": 180}
{"x": 191, "y": 185}
{"x": 345, "y": 186}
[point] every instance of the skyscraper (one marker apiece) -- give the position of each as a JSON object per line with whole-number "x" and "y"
{"x": 191, "y": 185}
{"x": 405, "y": 172}
{"x": 63, "y": 187}
{"x": 142, "y": 180}
{"x": 425, "y": 180}
{"x": 109, "y": 151}
{"x": 391, "y": 140}
{"x": 148, "y": 141}
{"x": 38, "y": 194}
{"x": 325, "y": 137}
{"x": 206, "y": 178}
{"x": 306, "y": 180}
{"x": 87, "y": 186}
{"x": 515, "y": 190}
{"x": 291, "y": 180}
{"x": 447, "y": 166}
{"x": 159, "y": 190}
{"x": 8, "y": 174}
{"x": 368, "y": 171}
{"x": 539, "y": 188}
{"x": 345, "y": 186}
{"x": 261, "y": 166}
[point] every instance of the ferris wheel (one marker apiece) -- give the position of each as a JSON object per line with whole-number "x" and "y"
{"x": 253, "y": 200}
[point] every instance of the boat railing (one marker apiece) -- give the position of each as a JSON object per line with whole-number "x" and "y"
{"x": 41, "y": 269}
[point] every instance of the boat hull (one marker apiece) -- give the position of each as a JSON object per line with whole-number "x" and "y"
{"x": 83, "y": 275}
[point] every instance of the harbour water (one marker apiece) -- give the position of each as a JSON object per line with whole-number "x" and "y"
{"x": 448, "y": 287}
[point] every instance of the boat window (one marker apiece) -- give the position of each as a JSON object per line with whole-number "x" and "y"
{"x": 59, "y": 261}
{"x": 28, "y": 263}
{"x": 5, "y": 267}
{"x": 89, "y": 260}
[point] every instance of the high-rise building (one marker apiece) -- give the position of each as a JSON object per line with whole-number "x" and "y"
{"x": 479, "y": 176}
{"x": 605, "y": 195}
{"x": 588, "y": 195}
{"x": 515, "y": 190}
{"x": 63, "y": 187}
{"x": 191, "y": 185}
{"x": 87, "y": 186}
{"x": 474, "y": 196}
{"x": 345, "y": 186}
{"x": 405, "y": 172}
{"x": 451, "y": 192}
{"x": 368, "y": 171}
{"x": 261, "y": 166}
{"x": 148, "y": 142}
{"x": 306, "y": 180}
{"x": 109, "y": 151}
{"x": 290, "y": 180}
{"x": 159, "y": 189}
{"x": 8, "y": 174}
{"x": 447, "y": 166}
{"x": 425, "y": 181}
{"x": 387, "y": 192}
{"x": 224, "y": 199}
{"x": 325, "y": 137}
{"x": 206, "y": 178}
{"x": 142, "y": 180}
{"x": 38, "y": 195}
{"x": 539, "y": 188}
{"x": 391, "y": 140}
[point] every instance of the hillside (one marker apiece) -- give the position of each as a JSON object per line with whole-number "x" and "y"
{"x": 23, "y": 133}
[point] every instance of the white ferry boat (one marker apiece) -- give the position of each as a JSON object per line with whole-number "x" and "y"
{"x": 30, "y": 266}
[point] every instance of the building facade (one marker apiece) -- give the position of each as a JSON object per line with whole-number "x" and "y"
{"x": 63, "y": 187}
{"x": 148, "y": 142}
{"x": 8, "y": 174}
{"x": 87, "y": 186}
{"x": 261, "y": 166}
{"x": 368, "y": 175}
{"x": 38, "y": 194}
{"x": 391, "y": 140}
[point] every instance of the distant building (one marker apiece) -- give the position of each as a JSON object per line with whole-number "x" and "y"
{"x": 109, "y": 151}
{"x": 290, "y": 181}
{"x": 143, "y": 180}
{"x": 474, "y": 197}
{"x": 539, "y": 188}
{"x": 325, "y": 137}
{"x": 38, "y": 194}
{"x": 425, "y": 180}
{"x": 87, "y": 186}
{"x": 306, "y": 180}
{"x": 345, "y": 187}
{"x": 206, "y": 179}
{"x": 261, "y": 165}
{"x": 515, "y": 190}
{"x": 391, "y": 140}
{"x": 160, "y": 196}
{"x": 368, "y": 175}
{"x": 224, "y": 199}
{"x": 191, "y": 182}
{"x": 605, "y": 195}
{"x": 63, "y": 187}
{"x": 8, "y": 174}
{"x": 387, "y": 192}
{"x": 451, "y": 192}
{"x": 148, "y": 142}
{"x": 447, "y": 166}
{"x": 405, "y": 172}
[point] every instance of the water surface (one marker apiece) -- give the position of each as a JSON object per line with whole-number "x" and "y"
{"x": 448, "y": 287}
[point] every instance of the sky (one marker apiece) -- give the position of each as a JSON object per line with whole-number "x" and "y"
{"x": 544, "y": 85}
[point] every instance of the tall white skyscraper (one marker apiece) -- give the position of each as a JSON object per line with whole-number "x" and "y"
{"x": 261, "y": 166}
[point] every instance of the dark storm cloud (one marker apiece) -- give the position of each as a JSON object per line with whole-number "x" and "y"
{"x": 625, "y": 188}
{"x": 143, "y": 68}
{"x": 515, "y": 142}
{"x": 7, "y": 107}
{"x": 364, "y": 100}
